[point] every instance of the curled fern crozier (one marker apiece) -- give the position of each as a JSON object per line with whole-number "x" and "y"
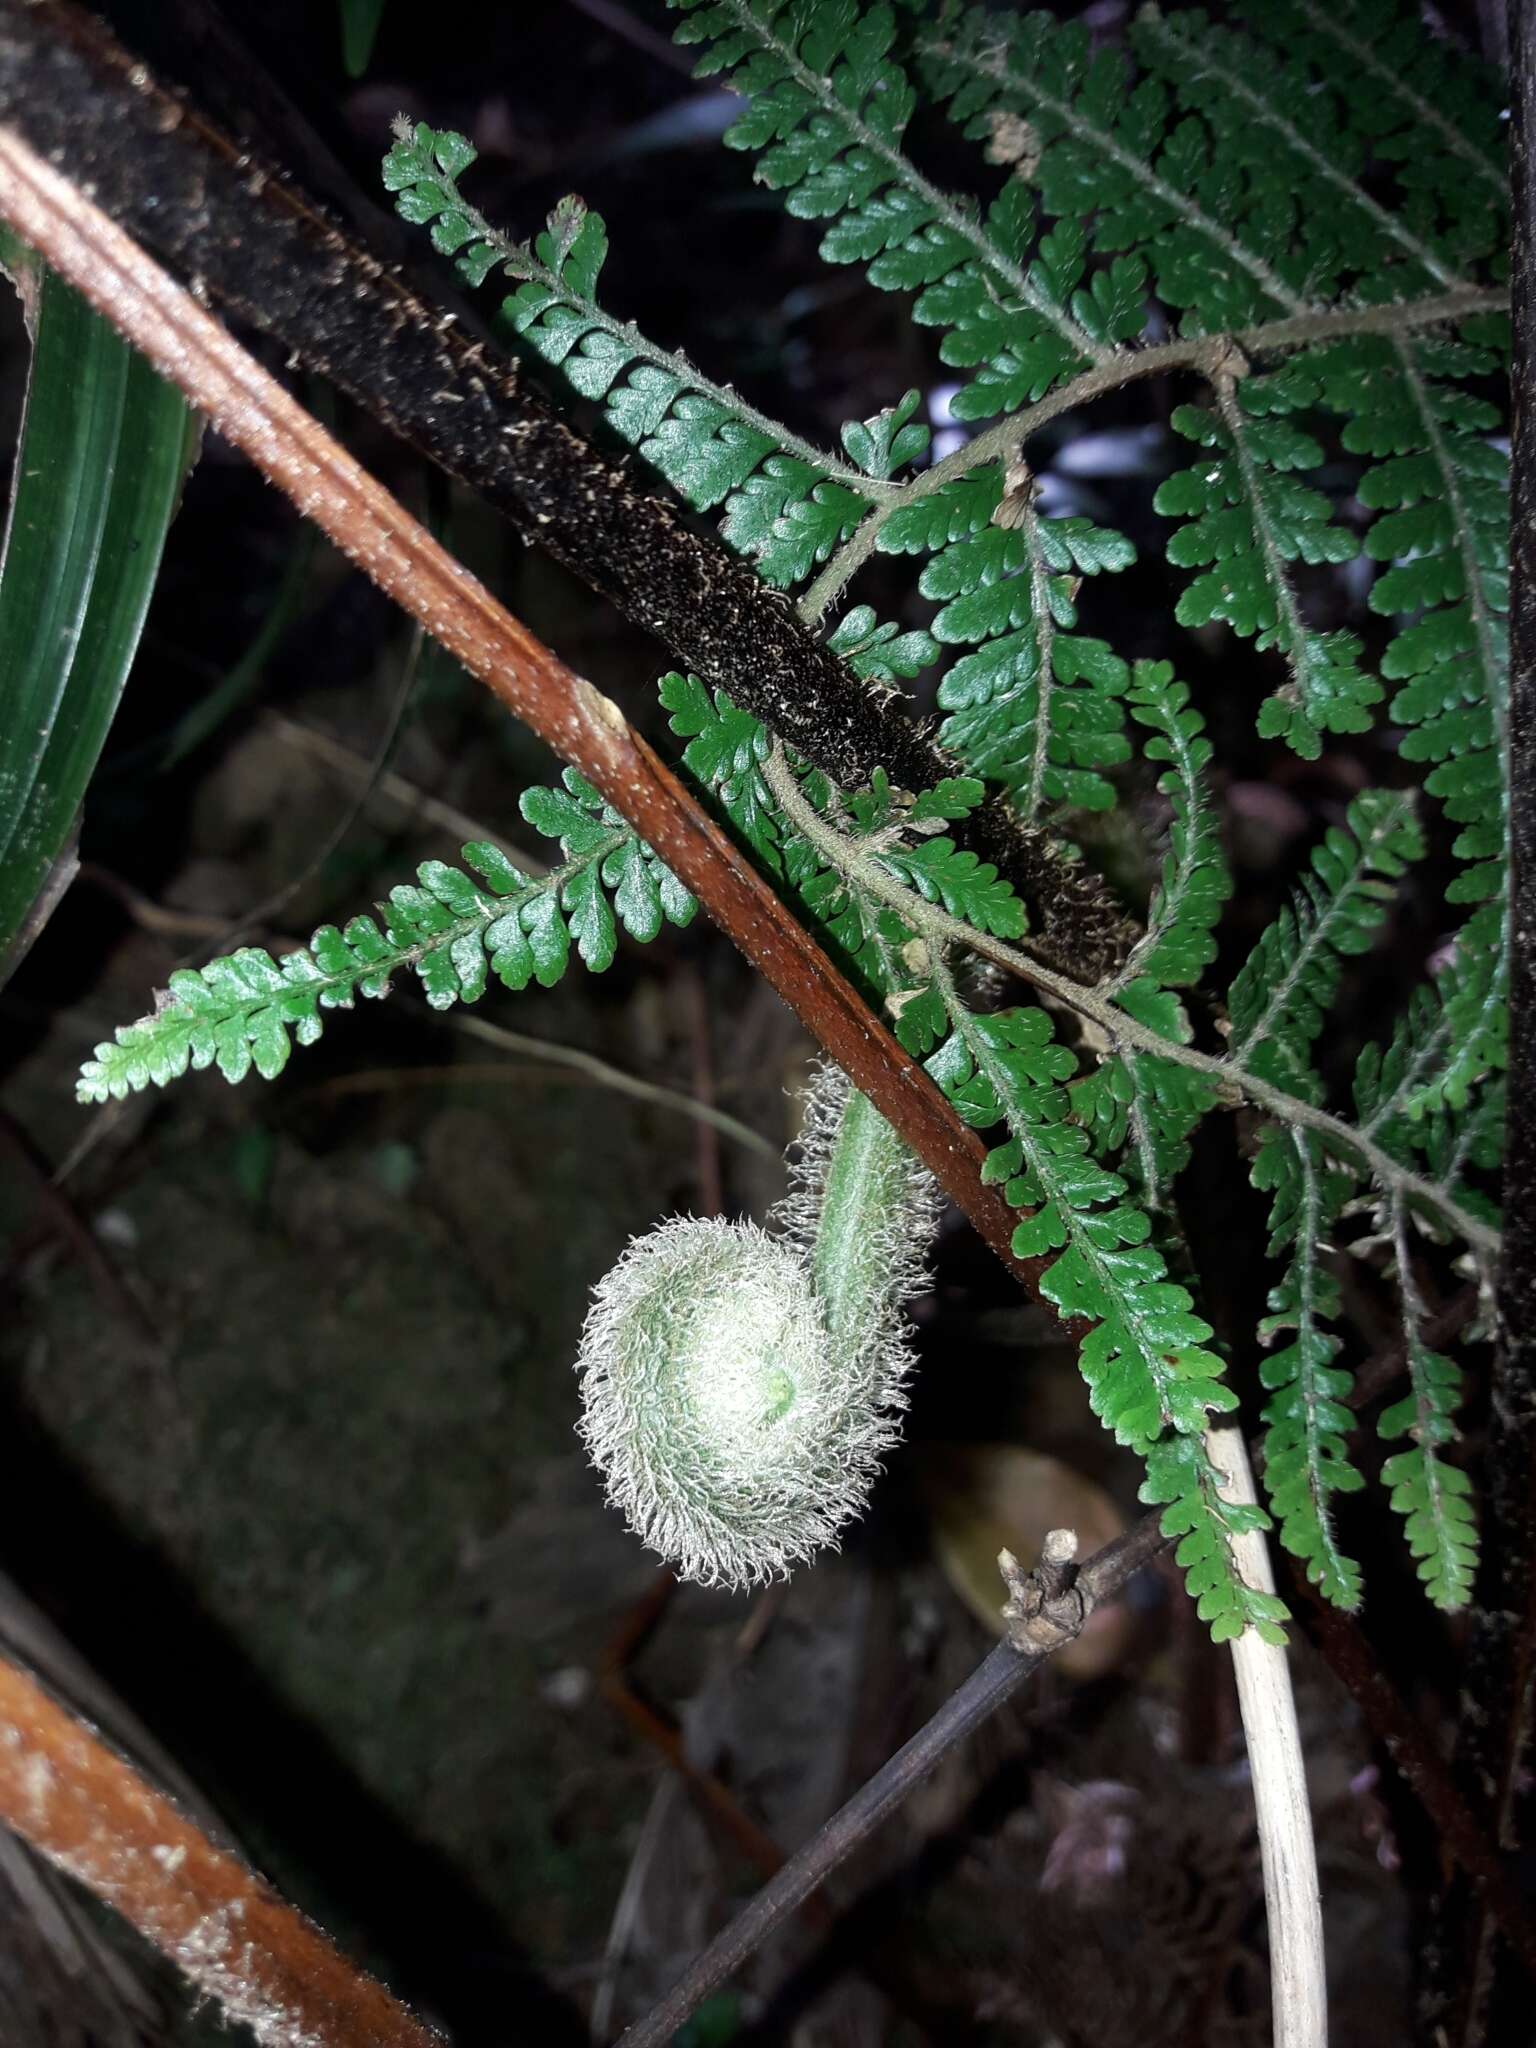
{"x": 739, "y": 1389}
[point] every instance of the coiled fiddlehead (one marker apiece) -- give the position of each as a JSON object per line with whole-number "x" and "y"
{"x": 739, "y": 1387}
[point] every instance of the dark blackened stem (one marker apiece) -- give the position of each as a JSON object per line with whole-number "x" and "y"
{"x": 256, "y": 415}
{"x": 251, "y": 241}
{"x": 1496, "y": 1739}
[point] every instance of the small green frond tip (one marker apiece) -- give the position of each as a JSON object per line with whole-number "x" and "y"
{"x": 247, "y": 1011}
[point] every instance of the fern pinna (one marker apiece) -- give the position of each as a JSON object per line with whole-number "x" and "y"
{"x": 1295, "y": 213}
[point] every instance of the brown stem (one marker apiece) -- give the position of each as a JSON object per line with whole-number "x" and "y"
{"x": 253, "y": 412}
{"x": 999, "y": 1675}
{"x": 80, "y": 1805}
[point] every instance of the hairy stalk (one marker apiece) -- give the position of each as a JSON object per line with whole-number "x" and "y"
{"x": 1233, "y": 1081}
{"x": 1201, "y": 354}
{"x": 739, "y": 1389}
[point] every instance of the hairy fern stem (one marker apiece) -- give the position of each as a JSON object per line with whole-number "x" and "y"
{"x": 1233, "y": 1081}
{"x": 1201, "y": 356}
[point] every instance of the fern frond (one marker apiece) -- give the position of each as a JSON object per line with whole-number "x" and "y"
{"x": 1435, "y": 1497}
{"x": 1136, "y": 1103}
{"x": 1432, "y": 110}
{"x": 1149, "y": 1374}
{"x": 882, "y": 653}
{"x": 1303, "y": 211}
{"x": 1181, "y": 1480}
{"x": 1285, "y": 988}
{"x": 726, "y": 751}
{"x": 1142, "y": 1110}
{"x": 1305, "y": 150}
{"x": 828, "y": 107}
{"x": 1475, "y": 991}
{"x": 238, "y": 1013}
{"x": 1457, "y": 703}
{"x": 1438, "y": 485}
{"x": 1035, "y": 707}
{"x": 941, "y": 872}
{"x": 950, "y": 511}
{"x": 1306, "y": 1459}
{"x": 1244, "y": 180}
{"x": 1149, "y": 1370}
{"x": 1249, "y": 518}
{"x": 1390, "y": 1080}
{"x": 1414, "y": 1096}
{"x": 1179, "y": 942}
{"x": 1471, "y": 1142}
{"x": 1439, "y": 490}
{"x": 1100, "y": 147}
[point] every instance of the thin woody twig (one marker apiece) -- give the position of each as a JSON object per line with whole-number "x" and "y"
{"x": 90, "y": 1813}
{"x": 1055, "y": 1620}
{"x": 388, "y": 787}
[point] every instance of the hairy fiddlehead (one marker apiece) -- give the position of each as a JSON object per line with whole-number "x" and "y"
{"x": 739, "y": 1388}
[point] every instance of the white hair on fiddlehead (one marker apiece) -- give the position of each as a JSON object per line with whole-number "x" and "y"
{"x": 739, "y": 1388}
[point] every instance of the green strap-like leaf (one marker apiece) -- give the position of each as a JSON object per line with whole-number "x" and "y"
{"x": 105, "y": 445}
{"x": 359, "y": 26}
